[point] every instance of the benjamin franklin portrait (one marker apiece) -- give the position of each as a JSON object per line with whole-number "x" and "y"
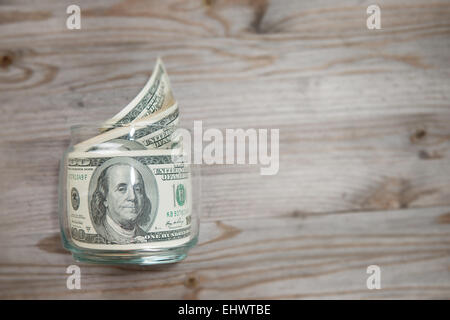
{"x": 120, "y": 204}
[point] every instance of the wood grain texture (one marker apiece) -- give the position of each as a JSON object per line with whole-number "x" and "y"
{"x": 364, "y": 125}
{"x": 308, "y": 256}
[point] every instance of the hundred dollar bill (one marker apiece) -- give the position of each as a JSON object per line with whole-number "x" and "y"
{"x": 156, "y": 95}
{"x": 129, "y": 199}
{"x": 154, "y": 131}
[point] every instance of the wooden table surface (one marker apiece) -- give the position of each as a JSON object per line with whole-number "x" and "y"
{"x": 364, "y": 119}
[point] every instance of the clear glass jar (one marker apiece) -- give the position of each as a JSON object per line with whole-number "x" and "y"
{"x": 123, "y": 203}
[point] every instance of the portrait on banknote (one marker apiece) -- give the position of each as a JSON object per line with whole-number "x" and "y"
{"x": 123, "y": 200}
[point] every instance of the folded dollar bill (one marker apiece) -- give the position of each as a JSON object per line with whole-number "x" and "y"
{"x": 128, "y": 186}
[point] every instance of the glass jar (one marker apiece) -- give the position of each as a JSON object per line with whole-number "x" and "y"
{"x": 130, "y": 198}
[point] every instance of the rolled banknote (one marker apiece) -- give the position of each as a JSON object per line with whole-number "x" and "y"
{"x": 129, "y": 187}
{"x": 149, "y": 119}
{"x": 156, "y": 95}
{"x": 128, "y": 199}
{"x": 153, "y": 131}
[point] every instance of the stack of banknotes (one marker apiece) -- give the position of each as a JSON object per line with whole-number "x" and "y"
{"x": 128, "y": 186}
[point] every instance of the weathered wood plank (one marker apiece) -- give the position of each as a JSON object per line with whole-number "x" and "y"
{"x": 134, "y": 32}
{"x": 380, "y": 154}
{"x": 308, "y": 256}
{"x": 363, "y": 118}
{"x": 370, "y": 133}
